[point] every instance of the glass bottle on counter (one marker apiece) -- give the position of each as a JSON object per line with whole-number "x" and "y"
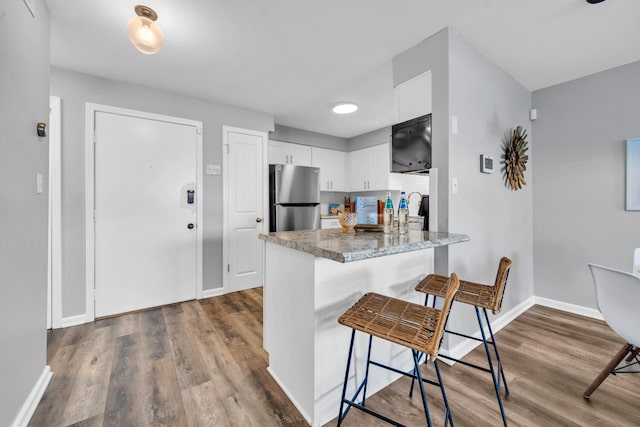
{"x": 403, "y": 214}
{"x": 387, "y": 217}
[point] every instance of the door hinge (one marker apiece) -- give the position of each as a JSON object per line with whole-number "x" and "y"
{"x": 227, "y": 148}
{"x": 94, "y": 136}
{"x": 94, "y": 215}
{"x": 228, "y": 268}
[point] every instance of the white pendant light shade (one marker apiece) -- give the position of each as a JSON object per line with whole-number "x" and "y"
{"x": 345, "y": 108}
{"x": 143, "y": 31}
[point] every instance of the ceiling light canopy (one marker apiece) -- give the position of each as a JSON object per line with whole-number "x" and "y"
{"x": 143, "y": 31}
{"x": 345, "y": 107}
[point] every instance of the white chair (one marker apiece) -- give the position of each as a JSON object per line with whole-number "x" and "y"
{"x": 636, "y": 261}
{"x": 618, "y": 297}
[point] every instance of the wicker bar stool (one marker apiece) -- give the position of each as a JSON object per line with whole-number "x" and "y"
{"x": 417, "y": 327}
{"x": 480, "y": 297}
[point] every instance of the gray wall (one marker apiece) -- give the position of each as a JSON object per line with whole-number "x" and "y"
{"x": 433, "y": 54}
{"x": 305, "y": 137}
{"x": 24, "y": 85}
{"x": 488, "y": 104}
{"x": 369, "y": 139}
{"x": 579, "y": 196}
{"x": 76, "y": 89}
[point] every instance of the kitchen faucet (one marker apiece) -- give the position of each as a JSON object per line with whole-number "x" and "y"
{"x": 419, "y": 198}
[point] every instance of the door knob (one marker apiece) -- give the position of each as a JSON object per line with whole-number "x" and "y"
{"x": 258, "y": 219}
{"x": 191, "y": 226}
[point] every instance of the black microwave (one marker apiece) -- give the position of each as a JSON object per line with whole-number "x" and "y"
{"x": 411, "y": 145}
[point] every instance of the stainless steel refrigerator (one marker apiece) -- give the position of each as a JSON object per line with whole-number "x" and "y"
{"x": 294, "y": 198}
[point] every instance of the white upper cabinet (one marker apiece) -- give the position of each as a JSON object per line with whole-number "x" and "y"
{"x": 370, "y": 169}
{"x": 413, "y": 97}
{"x": 285, "y": 153}
{"x": 332, "y": 166}
{"x": 359, "y": 169}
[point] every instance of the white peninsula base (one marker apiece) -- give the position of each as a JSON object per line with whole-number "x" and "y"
{"x": 303, "y": 297}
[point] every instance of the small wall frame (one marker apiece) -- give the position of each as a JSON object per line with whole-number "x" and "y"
{"x": 633, "y": 174}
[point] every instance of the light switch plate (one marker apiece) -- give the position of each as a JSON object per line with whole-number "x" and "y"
{"x": 213, "y": 170}
{"x": 39, "y": 184}
{"x": 454, "y": 125}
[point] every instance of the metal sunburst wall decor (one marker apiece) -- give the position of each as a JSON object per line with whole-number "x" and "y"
{"x": 515, "y": 158}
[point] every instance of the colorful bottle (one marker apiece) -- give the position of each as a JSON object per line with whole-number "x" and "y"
{"x": 403, "y": 214}
{"x": 387, "y": 217}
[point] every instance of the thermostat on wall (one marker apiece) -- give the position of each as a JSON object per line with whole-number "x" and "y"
{"x": 486, "y": 164}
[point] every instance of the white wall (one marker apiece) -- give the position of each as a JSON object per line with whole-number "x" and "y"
{"x": 77, "y": 89}
{"x": 579, "y": 193}
{"x": 24, "y": 101}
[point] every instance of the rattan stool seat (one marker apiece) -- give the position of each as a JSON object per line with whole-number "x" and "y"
{"x": 483, "y": 296}
{"x": 468, "y": 293}
{"x": 414, "y": 326}
{"x": 401, "y": 322}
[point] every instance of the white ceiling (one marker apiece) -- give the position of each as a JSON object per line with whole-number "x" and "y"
{"x": 296, "y": 58}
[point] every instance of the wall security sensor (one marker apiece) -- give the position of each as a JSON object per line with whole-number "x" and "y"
{"x": 486, "y": 164}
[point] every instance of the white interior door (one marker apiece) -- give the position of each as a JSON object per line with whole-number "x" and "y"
{"x": 145, "y": 223}
{"x": 244, "y": 213}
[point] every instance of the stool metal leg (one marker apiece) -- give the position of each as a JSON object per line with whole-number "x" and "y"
{"x": 496, "y": 382}
{"x": 346, "y": 379}
{"x": 495, "y": 348}
{"x": 366, "y": 372}
{"x": 447, "y": 412}
{"x": 418, "y": 374}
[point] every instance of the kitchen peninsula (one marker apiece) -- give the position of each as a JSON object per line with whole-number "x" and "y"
{"x": 312, "y": 277}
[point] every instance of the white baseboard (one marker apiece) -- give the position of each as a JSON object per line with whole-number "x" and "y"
{"x": 208, "y": 293}
{"x": 466, "y": 346}
{"x": 571, "y": 308}
{"x": 73, "y": 320}
{"x": 30, "y": 405}
{"x": 284, "y": 389}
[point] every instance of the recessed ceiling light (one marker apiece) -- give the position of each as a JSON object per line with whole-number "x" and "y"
{"x": 345, "y": 108}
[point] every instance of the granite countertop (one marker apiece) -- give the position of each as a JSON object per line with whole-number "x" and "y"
{"x": 347, "y": 247}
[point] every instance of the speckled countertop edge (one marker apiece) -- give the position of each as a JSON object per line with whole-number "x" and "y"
{"x": 348, "y": 247}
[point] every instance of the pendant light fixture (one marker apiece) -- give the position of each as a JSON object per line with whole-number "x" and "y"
{"x": 143, "y": 31}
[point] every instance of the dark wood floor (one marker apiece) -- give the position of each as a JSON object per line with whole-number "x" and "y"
{"x": 201, "y": 363}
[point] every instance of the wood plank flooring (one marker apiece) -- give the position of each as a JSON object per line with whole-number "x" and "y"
{"x": 201, "y": 363}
